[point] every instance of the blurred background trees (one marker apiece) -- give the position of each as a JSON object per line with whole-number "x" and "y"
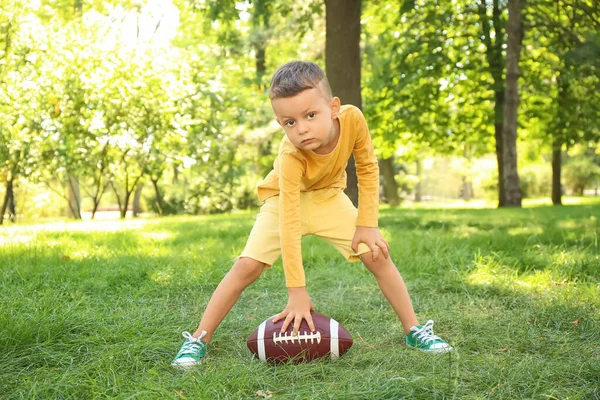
{"x": 161, "y": 106}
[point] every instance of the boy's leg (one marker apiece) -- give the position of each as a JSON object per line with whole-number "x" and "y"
{"x": 393, "y": 288}
{"x": 335, "y": 221}
{"x": 244, "y": 271}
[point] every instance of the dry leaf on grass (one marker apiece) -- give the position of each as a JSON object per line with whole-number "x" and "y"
{"x": 576, "y": 322}
{"x": 264, "y": 393}
{"x": 180, "y": 393}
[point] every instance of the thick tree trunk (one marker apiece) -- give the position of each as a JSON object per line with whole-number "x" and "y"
{"x": 419, "y": 187}
{"x": 8, "y": 197}
{"x": 556, "y": 171}
{"x": 390, "y": 186}
{"x": 511, "y": 106}
{"x": 493, "y": 51}
{"x": 342, "y": 57}
{"x": 137, "y": 209}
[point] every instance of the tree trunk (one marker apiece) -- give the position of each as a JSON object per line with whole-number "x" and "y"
{"x": 342, "y": 58}
{"x": 467, "y": 184}
{"x": 419, "y": 187}
{"x": 8, "y": 197}
{"x": 123, "y": 210}
{"x": 511, "y": 106}
{"x": 390, "y": 186}
{"x": 556, "y": 171}
{"x": 498, "y": 128}
{"x": 493, "y": 51}
{"x": 73, "y": 197}
{"x": 137, "y": 209}
{"x": 12, "y": 204}
{"x": 467, "y": 189}
{"x": 260, "y": 22}
{"x": 159, "y": 200}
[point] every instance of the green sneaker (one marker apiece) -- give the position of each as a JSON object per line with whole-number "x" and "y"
{"x": 191, "y": 353}
{"x": 422, "y": 338}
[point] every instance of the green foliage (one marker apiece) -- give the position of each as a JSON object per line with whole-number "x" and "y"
{"x": 116, "y": 93}
{"x": 535, "y": 180}
{"x": 581, "y": 173}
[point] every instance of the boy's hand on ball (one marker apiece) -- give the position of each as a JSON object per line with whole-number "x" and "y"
{"x": 372, "y": 238}
{"x": 298, "y": 308}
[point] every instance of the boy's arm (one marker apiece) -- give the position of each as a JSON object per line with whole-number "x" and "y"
{"x": 290, "y": 225}
{"x": 367, "y": 172}
{"x": 290, "y": 232}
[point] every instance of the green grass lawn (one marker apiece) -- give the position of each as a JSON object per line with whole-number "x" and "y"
{"x": 96, "y": 310}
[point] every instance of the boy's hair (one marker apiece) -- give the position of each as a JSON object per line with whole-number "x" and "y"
{"x": 295, "y": 77}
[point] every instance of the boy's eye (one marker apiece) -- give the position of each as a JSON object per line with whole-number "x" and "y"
{"x": 290, "y": 123}
{"x": 311, "y": 115}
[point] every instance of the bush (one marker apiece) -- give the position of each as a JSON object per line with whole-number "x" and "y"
{"x": 535, "y": 180}
{"x": 579, "y": 173}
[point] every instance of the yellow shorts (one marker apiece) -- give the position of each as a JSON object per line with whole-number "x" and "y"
{"x": 327, "y": 213}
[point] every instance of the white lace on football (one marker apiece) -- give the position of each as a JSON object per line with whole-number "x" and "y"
{"x": 306, "y": 336}
{"x": 425, "y": 333}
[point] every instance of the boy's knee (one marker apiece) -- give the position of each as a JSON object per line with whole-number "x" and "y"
{"x": 248, "y": 268}
{"x": 379, "y": 267}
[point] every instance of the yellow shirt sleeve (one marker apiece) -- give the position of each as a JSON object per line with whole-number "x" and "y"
{"x": 367, "y": 172}
{"x": 291, "y": 172}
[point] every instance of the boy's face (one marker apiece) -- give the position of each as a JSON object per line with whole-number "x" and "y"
{"x": 309, "y": 119}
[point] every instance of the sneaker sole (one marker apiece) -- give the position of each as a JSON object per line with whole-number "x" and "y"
{"x": 435, "y": 351}
{"x": 186, "y": 365}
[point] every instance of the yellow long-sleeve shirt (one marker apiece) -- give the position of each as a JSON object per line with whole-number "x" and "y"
{"x": 296, "y": 170}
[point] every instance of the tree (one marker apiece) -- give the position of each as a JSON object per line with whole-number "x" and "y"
{"x": 566, "y": 53}
{"x": 21, "y": 112}
{"x": 342, "y": 59}
{"x": 511, "y": 103}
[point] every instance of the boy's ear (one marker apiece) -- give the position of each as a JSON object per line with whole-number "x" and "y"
{"x": 335, "y": 105}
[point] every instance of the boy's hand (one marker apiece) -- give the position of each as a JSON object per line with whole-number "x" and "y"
{"x": 372, "y": 238}
{"x": 298, "y": 308}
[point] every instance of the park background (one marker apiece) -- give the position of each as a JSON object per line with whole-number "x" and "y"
{"x": 162, "y": 107}
{"x": 149, "y": 120}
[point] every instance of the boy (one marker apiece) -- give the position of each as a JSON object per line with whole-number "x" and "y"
{"x": 302, "y": 195}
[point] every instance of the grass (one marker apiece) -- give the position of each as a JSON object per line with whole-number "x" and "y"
{"x": 96, "y": 309}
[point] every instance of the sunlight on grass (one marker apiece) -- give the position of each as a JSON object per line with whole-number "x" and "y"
{"x": 525, "y": 230}
{"x": 26, "y": 233}
{"x": 465, "y": 231}
{"x": 452, "y": 203}
{"x": 493, "y": 203}
{"x": 162, "y": 277}
{"x": 497, "y": 275}
{"x": 157, "y": 236}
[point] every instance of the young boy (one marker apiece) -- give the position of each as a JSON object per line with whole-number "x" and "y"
{"x": 303, "y": 195}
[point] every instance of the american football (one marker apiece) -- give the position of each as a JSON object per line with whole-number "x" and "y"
{"x": 330, "y": 339}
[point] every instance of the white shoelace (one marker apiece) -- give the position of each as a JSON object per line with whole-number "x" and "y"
{"x": 425, "y": 333}
{"x": 192, "y": 343}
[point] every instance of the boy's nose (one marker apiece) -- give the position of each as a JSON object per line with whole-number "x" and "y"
{"x": 302, "y": 128}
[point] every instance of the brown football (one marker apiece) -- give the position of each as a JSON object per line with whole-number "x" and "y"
{"x": 330, "y": 339}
